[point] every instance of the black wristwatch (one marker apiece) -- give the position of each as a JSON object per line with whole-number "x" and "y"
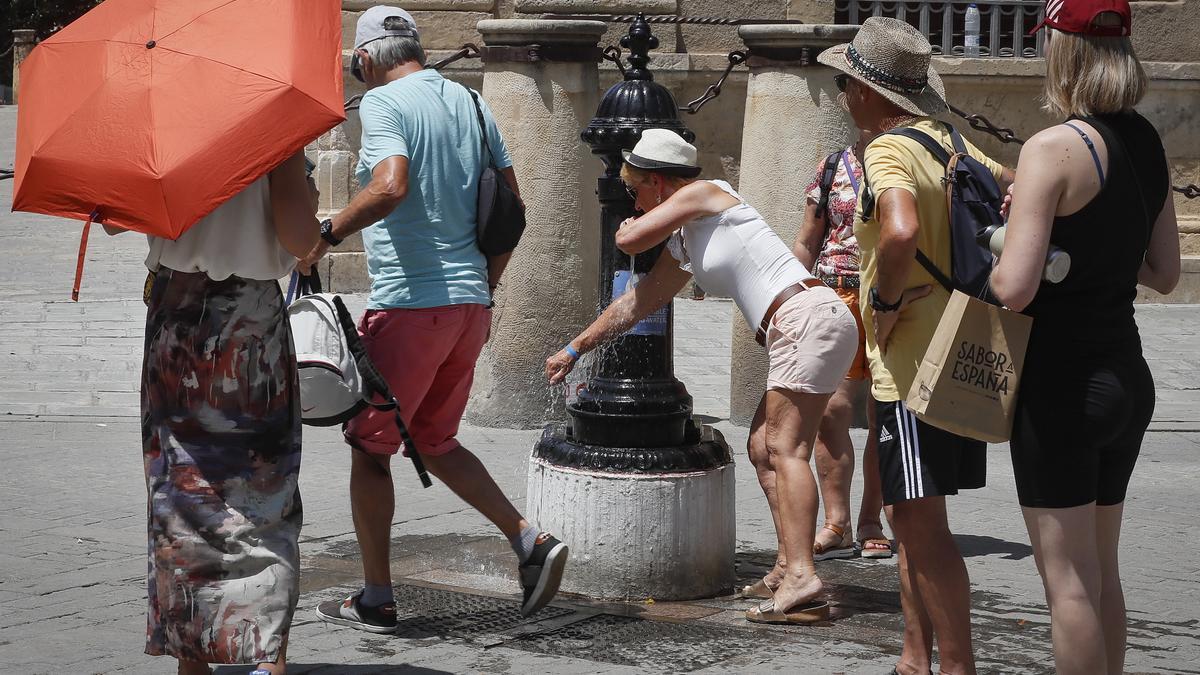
{"x": 327, "y": 232}
{"x": 881, "y": 306}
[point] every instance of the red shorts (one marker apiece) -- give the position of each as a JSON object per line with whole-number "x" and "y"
{"x": 428, "y": 358}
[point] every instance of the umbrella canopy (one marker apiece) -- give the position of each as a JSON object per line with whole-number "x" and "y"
{"x": 152, "y": 113}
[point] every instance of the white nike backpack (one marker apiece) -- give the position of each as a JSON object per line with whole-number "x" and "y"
{"x": 337, "y": 378}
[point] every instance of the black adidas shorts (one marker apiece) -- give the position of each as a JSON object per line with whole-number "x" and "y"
{"x": 918, "y": 460}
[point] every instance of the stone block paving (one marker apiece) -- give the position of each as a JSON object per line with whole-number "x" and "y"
{"x": 73, "y": 543}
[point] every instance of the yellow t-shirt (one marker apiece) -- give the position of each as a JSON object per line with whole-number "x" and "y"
{"x": 897, "y": 162}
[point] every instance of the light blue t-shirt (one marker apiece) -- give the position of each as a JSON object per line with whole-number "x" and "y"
{"x": 424, "y": 253}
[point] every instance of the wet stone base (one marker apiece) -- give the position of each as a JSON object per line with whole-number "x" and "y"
{"x": 462, "y": 588}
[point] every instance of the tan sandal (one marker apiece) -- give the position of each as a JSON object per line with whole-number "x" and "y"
{"x": 808, "y": 612}
{"x": 845, "y": 550}
{"x": 759, "y": 590}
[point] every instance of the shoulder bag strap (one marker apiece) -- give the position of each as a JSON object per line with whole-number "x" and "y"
{"x": 828, "y": 173}
{"x": 483, "y": 134}
{"x": 942, "y": 156}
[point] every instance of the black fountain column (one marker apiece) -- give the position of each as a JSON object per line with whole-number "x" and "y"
{"x": 643, "y": 495}
{"x": 632, "y": 414}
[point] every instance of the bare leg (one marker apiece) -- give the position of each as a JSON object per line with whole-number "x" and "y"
{"x": 1065, "y": 544}
{"x": 937, "y": 567}
{"x": 792, "y": 421}
{"x": 1112, "y": 597}
{"x": 834, "y": 457}
{"x": 468, "y": 478}
{"x": 756, "y": 448}
{"x": 372, "y": 504}
{"x": 869, "y": 525}
{"x": 916, "y": 656}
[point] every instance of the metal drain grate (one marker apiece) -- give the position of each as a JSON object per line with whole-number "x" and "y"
{"x": 430, "y": 612}
{"x": 651, "y": 645}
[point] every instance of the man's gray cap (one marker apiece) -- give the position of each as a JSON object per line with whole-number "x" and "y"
{"x": 382, "y": 21}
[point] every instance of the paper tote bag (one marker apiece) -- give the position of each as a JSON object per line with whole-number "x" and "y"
{"x": 967, "y": 382}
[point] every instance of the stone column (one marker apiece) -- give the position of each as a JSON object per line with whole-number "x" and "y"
{"x": 23, "y": 43}
{"x": 792, "y": 121}
{"x": 541, "y": 99}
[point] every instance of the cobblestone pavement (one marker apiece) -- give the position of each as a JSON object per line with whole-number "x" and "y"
{"x": 72, "y": 517}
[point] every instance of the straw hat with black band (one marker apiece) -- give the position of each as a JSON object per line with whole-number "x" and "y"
{"x": 893, "y": 59}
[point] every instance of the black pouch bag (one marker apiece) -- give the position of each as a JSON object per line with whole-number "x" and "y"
{"x": 500, "y": 213}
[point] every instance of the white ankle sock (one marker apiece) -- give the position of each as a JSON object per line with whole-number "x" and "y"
{"x": 522, "y": 544}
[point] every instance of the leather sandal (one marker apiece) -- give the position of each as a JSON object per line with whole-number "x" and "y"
{"x": 807, "y": 612}
{"x": 884, "y": 545}
{"x": 845, "y": 550}
{"x": 759, "y": 590}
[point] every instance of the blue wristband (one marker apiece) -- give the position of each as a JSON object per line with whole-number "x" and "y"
{"x": 571, "y": 350}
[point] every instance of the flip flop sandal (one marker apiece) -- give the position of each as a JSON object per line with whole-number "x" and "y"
{"x": 759, "y": 590}
{"x": 821, "y": 552}
{"x": 875, "y": 552}
{"x": 809, "y": 612}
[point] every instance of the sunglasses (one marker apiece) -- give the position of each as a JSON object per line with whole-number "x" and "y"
{"x": 842, "y": 81}
{"x": 632, "y": 192}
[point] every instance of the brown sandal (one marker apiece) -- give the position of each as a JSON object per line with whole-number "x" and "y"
{"x": 845, "y": 550}
{"x": 883, "y": 544}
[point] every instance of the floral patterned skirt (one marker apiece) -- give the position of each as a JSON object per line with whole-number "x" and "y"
{"x": 221, "y": 447}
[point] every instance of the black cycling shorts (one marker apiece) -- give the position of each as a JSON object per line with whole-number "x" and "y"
{"x": 1079, "y": 426}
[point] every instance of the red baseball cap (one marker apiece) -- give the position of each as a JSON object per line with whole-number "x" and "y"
{"x": 1076, "y": 16}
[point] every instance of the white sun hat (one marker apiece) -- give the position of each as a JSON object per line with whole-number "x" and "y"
{"x": 664, "y": 151}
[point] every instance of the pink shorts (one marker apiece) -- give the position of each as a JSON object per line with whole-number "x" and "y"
{"x": 811, "y": 343}
{"x": 428, "y": 358}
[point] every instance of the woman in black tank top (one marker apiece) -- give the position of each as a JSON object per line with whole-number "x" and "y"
{"x": 1097, "y": 187}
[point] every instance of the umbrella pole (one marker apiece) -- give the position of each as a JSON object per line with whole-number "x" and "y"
{"x": 83, "y": 239}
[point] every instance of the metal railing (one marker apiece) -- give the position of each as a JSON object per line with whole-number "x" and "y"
{"x": 1002, "y": 27}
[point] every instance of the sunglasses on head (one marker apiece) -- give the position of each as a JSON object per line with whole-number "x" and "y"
{"x": 841, "y": 81}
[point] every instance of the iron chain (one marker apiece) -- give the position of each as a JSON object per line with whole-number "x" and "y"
{"x": 981, "y": 123}
{"x": 736, "y": 58}
{"x": 468, "y": 51}
{"x": 5, "y": 174}
{"x": 613, "y": 53}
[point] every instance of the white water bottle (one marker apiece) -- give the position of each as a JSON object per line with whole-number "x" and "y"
{"x": 971, "y": 33}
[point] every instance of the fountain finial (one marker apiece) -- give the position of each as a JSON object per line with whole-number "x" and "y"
{"x": 639, "y": 41}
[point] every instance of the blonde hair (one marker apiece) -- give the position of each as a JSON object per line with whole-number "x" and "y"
{"x": 1092, "y": 75}
{"x": 634, "y": 176}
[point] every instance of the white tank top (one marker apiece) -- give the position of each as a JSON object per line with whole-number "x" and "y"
{"x": 237, "y": 238}
{"x": 735, "y": 253}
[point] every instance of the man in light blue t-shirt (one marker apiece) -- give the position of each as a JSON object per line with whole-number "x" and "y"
{"x": 428, "y": 315}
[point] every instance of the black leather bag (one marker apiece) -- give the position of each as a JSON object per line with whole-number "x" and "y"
{"x": 500, "y": 214}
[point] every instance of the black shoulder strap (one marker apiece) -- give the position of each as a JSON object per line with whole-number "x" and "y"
{"x": 828, "y": 173}
{"x": 375, "y": 384}
{"x": 483, "y": 134}
{"x": 934, "y": 271}
{"x": 925, "y": 140}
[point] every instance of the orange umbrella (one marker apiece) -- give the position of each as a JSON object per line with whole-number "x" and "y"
{"x": 148, "y": 114}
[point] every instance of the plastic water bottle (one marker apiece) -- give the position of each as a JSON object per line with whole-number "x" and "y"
{"x": 971, "y": 33}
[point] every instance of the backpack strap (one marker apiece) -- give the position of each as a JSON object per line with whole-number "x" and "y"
{"x": 375, "y": 384}
{"x": 942, "y": 155}
{"x": 828, "y": 173}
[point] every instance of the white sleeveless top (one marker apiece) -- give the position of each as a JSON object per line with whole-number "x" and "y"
{"x": 735, "y": 253}
{"x": 237, "y": 238}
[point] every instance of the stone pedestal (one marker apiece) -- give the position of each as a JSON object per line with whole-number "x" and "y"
{"x": 792, "y": 121}
{"x": 659, "y": 534}
{"x": 24, "y": 41}
{"x": 548, "y": 294}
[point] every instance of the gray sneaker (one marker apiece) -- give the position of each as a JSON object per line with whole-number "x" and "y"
{"x": 351, "y": 612}
{"x": 542, "y": 572}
